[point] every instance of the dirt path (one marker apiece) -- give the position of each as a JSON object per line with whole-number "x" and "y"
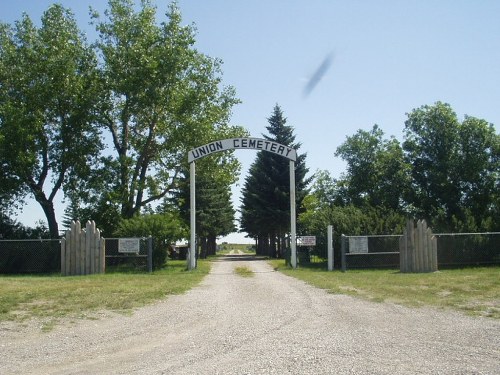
{"x": 266, "y": 324}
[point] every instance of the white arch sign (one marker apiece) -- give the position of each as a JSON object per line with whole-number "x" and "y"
{"x": 241, "y": 143}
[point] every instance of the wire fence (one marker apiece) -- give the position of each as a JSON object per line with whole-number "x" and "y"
{"x": 135, "y": 260}
{"x": 453, "y": 250}
{"x": 30, "y": 256}
{"x": 43, "y": 256}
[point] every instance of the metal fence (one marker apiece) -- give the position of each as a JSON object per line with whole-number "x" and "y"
{"x": 44, "y": 256}
{"x": 312, "y": 255}
{"x": 453, "y": 250}
{"x": 141, "y": 260}
{"x": 30, "y": 256}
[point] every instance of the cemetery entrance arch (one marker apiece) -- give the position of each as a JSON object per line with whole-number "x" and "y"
{"x": 241, "y": 143}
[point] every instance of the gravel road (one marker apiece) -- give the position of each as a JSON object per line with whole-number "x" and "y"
{"x": 265, "y": 324}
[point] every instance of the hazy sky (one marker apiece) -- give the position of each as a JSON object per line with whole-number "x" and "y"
{"x": 386, "y": 58}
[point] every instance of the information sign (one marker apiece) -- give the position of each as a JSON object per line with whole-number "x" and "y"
{"x": 128, "y": 245}
{"x": 358, "y": 245}
{"x": 306, "y": 240}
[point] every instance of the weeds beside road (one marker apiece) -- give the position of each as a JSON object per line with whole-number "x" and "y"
{"x": 54, "y": 297}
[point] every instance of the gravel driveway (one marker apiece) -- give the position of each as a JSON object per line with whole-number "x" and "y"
{"x": 265, "y": 324}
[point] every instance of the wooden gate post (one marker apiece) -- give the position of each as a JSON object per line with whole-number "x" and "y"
{"x": 417, "y": 248}
{"x": 82, "y": 250}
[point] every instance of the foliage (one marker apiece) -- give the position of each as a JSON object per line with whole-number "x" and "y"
{"x": 446, "y": 172}
{"x": 163, "y": 98}
{"x": 265, "y": 211}
{"x": 10, "y": 229}
{"x": 454, "y": 174}
{"x": 48, "y": 100}
{"x": 215, "y": 214}
{"x": 346, "y": 219}
{"x": 165, "y": 229}
{"x": 376, "y": 171}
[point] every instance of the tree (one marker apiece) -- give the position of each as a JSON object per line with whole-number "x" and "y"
{"x": 376, "y": 174}
{"x": 265, "y": 211}
{"x": 454, "y": 168}
{"x": 215, "y": 214}
{"x": 479, "y": 166}
{"x": 163, "y": 98}
{"x": 48, "y": 98}
{"x": 325, "y": 206}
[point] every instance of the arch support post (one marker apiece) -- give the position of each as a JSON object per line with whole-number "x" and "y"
{"x": 191, "y": 258}
{"x": 293, "y": 217}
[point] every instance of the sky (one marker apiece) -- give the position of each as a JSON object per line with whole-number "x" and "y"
{"x": 380, "y": 59}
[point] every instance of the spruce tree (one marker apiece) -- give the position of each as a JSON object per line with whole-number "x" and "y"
{"x": 265, "y": 211}
{"x": 215, "y": 214}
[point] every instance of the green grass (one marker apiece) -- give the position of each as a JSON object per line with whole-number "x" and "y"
{"x": 54, "y": 297}
{"x": 243, "y": 271}
{"x": 475, "y": 291}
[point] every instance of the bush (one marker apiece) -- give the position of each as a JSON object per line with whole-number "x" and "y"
{"x": 164, "y": 228}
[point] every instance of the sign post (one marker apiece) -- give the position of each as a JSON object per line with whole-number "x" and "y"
{"x": 293, "y": 229}
{"x": 191, "y": 258}
{"x": 330, "y": 247}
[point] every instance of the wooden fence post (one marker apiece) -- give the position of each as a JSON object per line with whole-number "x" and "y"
{"x": 82, "y": 250}
{"x": 417, "y": 248}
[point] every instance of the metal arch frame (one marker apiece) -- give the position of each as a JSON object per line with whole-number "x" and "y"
{"x": 241, "y": 143}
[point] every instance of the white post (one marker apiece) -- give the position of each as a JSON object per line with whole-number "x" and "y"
{"x": 191, "y": 258}
{"x": 330, "y": 247}
{"x": 293, "y": 229}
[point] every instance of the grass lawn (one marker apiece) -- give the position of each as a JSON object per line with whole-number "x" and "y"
{"x": 53, "y": 297}
{"x": 475, "y": 291}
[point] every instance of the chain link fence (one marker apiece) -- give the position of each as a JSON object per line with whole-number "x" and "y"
{"x": 453, "y": 250}
{"x": 30, "y": 256}
{"x": 43, "y": 256}
{"x": 136, "y": 261}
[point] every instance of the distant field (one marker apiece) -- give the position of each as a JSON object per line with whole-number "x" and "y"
{"x": 475, "y": 291}
{"x": 227, "y": 247}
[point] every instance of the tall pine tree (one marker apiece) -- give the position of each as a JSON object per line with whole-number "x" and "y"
{"x": 265, "y": 210}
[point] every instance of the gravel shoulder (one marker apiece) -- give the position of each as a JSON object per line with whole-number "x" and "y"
{"x": 266, "y": 324}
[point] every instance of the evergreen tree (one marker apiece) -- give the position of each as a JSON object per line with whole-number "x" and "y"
{"x": 214, "y": 210}
{"x": 265, "y": 211}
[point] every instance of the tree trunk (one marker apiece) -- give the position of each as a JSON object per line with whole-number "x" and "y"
{"x": 204, "y": 247}
{"x": 212, "y": 245}
{"x": 272, "y": 248}
{"x": 48, "y": 209}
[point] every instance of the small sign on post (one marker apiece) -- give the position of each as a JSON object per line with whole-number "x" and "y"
{"x": 306, "y": 240}
{"x": 128, "y": 245}
{"x": 358, "y": 245}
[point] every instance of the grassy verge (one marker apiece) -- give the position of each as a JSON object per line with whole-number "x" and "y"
{"x": 475, "y": 291}
{"x": 55, "y": 297}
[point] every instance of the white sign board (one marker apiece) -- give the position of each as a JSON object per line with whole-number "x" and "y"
{"x": 358, "y": 245}
{"x": 128, "y": 245}
{"x": 242, "y": 143}
{"x": 306, "y": 240}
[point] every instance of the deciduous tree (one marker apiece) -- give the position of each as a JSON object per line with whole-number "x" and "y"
{"x": 48, "y": 99}
{"x": 164, "y": 98}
